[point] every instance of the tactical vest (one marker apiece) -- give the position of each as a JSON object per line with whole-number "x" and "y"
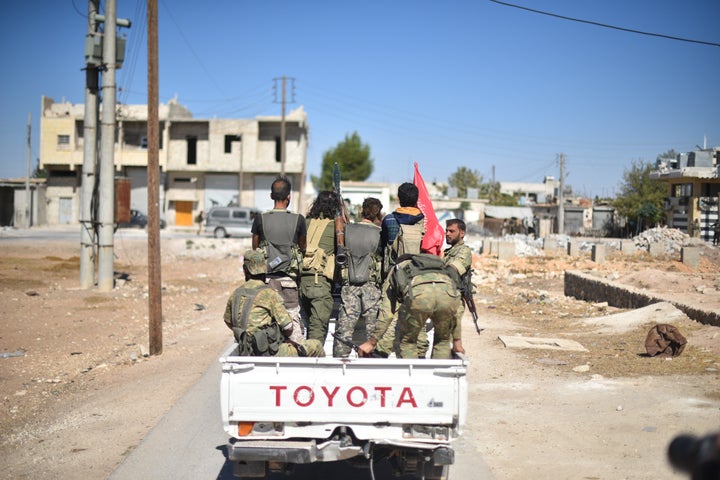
{"x": 282, "y": 253}
{"x": 317, "y": 260}
{"x": 361, "y": 244}
{"x": 407, "y": 241}
{"x": 263, "y": 342}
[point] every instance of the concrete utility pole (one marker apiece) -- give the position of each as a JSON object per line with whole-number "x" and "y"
{"x": 561, "y": 199}
{"x": 28, "y": 199}
{"x": 89, "y": 180}
{"x": 282, "y": 130}
{"x": 282, "y": 122}
{"x": 153, "y": 174}
{"x": 107, "y": 158}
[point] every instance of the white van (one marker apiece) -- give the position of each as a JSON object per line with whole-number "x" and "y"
{"x": 223, "y": 222}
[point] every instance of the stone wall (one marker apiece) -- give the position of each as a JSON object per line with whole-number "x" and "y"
{"x": 586, "y": 287}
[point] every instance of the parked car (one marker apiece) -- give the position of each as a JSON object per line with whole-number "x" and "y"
{"x": 138, "y": 220}
{"x": 223, "y": 222}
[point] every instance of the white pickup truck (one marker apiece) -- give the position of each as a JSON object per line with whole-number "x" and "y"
{"x": 282, "y": 411}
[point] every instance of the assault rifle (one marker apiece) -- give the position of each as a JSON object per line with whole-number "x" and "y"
{"x": 466, "y": 289}
{"x": 355, "y": 346}
{"x": 340, "y": 220}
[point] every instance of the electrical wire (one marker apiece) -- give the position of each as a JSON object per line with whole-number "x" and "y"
{"x": 605, "y": 25}
{"x": 192, "y": 50}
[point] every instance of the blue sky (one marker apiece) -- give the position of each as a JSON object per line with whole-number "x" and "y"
{"x": 445, "y": 84}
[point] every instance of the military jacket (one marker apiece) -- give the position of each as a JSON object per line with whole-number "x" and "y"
{"x": 267, "y": 307}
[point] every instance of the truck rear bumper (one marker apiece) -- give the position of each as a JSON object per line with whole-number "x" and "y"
{"x": 309, "y": 451}
{"x": 285, "y": 451}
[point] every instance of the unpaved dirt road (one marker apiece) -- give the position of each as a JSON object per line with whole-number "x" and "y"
{"x": 80, "y": 396}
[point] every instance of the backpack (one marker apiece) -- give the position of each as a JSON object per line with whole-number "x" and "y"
{"x": 263, "y": 342}
{"x": 417, "y": 272}
{"x": 316, "y": 258}
{"x": 282, "y": 254}
{"x": 407, "y": 241}
{"x": 361, "y": 244}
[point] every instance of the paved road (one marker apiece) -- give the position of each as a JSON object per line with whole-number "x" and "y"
{"x": 189, "y": 443}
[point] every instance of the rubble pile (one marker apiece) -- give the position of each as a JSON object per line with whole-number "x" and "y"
{"x": 672, "y": 238}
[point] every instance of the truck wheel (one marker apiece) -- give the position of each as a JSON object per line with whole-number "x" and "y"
{"x": 220, "y": 232}
{"x": 437, "y": 472}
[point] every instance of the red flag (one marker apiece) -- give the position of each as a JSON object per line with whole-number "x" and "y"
{"x": 434, "y": 237}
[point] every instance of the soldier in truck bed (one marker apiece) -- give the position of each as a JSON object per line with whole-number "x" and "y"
{"x": 258, "y": 318}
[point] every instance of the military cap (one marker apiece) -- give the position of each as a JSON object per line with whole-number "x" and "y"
{"x": 255, "y": 263}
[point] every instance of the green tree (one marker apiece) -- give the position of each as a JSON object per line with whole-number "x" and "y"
{"x": 465, "y": 178}
{"x": 353, "y": 158}
{"x": 640, "y": 199}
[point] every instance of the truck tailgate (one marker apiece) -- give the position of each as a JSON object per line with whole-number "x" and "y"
{"x": 355, "y": 392}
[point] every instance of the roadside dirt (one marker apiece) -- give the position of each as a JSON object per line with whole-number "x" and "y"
{"x": 78, "y": 393}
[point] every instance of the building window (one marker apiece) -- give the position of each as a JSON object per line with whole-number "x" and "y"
{"x": 278, "y": 150}
{"x": 192, "y": 150}
{"x": 63, "y": 140}
{"x": 229, "y": 139}
{"x": 682, "y": 190}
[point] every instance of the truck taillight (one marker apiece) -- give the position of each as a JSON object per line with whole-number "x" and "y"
{"x": 245, "y": 428}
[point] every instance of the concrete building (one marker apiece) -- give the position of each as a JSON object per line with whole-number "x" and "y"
{"x": 693, "y": 191}
{"x": 203, "y": 162}
{"x": 529, "y": 193}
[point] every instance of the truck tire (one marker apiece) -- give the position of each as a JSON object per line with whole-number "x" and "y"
{"x": 220, "y": 232}
{"x": 437, "y": 472}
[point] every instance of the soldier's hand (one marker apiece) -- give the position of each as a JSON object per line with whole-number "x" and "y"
{"x": 366, "y": 349}
{"x": 458, "y": 346}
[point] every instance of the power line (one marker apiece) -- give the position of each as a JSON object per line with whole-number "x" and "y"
{"x": 605, "y": 25}
{"x": 191, "y": 49}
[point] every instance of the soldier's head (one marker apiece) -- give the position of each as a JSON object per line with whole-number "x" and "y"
{"x": 371, "y": 209}
{"x": 280, "y": 189}
{"x": 325, "y": 205}
{"x": 408, "y": 195}
{"x": 254, "y": 263}
{"x": 454, "y": 231}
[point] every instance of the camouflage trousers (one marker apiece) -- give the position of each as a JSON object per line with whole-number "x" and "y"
{"x": 313, "y": 348}
{"x": 390, "y": 341}
{"x": 288, "y": 290}
{"x": 439, "y": 305}
{"x": 358, "y": 302}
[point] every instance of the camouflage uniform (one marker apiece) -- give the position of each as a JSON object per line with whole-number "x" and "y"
{"x": 359, "y": 300}
{"x": 458, "y": 256}
{"x": 436, "y": 297}
{"x": 267, "y": 308}
{"x": 390, "y": 228}
{"x": 281, "y": 280}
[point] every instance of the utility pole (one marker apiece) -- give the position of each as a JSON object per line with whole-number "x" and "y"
{"x": 106, "y": 215}
{"x": 28, "y": 202}
{"x": 282, "y": 130}
{"x": 282, "y": 121}
{"x": 153, "y": 173}
{"x": 561, "y": 200}
{"x": 88, "y": 179}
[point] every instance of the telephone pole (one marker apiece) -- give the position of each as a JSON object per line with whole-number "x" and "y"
{"x": 282, "y": 120}
{"x": 561, "y": 200}
{"x": 106, "y": 214}
{"x": 28, "y": 202}
{"x": 88, "y": 179}
{"x": 153, "y": 172}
